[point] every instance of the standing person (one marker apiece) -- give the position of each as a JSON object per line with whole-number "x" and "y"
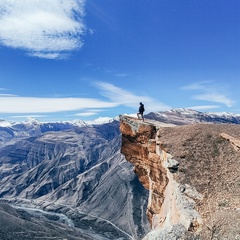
{"x": 141, "y": 110}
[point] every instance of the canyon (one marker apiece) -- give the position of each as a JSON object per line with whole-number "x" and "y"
{"x": 74, "y": 170}
{"x": 174, "y": 176}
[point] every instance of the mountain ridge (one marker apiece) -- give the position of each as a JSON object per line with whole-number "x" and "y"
{"x": 181, "y": 112}
{"x": 182, "y": 116}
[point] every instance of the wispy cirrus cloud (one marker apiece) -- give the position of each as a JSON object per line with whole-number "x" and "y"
{"x": 208, "y": 91}
{"x": 215, "y": 97}
{"x": 7, "y": 95}
{"x": 29, "y": 116}
{"x": 196, "y": 86}
{"x": 129, "y": 99}
{"x": 85, "y": 114}
{"x": 44, "y": 28}
{"x": 26, "y": 105}
{"x": 88, "y": 112}
{"x": 112, "y": 97}
{"x": 203, "y": 107}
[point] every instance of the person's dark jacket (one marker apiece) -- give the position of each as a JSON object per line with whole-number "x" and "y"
{"x": 141, "y": 108}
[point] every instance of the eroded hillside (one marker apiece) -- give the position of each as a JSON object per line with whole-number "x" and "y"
{"x": 193, "y": 176}
{"x": 77, "y": 172}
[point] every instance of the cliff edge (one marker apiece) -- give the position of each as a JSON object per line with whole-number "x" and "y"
{"x": 192, "y": 174}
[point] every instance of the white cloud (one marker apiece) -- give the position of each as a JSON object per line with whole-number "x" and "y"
{"x": 207, "y": 91}
{"x": 215, "y": 97}
{"x": 126, "y": 98}
{"x": 56, "y": 55}
{"x": 204, "y": 107}
{"x": 29, "y": 116}
{"x": 7, "y": 95}
{"x": 196, "y": 86}
{"x": 47, "y": 105}
{"x": 45, "y": 28}
{"x": 13, "y": 104}
{"x": 89, "y": 112}
{"x": 85, "y": 114}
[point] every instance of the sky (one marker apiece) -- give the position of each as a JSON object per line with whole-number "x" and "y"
{"x": 64, "y": 60}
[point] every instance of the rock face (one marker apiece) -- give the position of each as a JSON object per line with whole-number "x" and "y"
{"x": 139, "y": 147}
{"x": 185, "y": 168}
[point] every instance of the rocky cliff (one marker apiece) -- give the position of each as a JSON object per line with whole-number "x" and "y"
{"x": 192, "y": 174}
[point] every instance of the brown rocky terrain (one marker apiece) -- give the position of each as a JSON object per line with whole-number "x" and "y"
{"x": 192, "y": 173}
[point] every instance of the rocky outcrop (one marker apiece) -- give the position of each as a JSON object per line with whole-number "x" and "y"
{"x": 170, "y": 203}
{"x": 234, "y": 141}
{"x": 192, "y": 174}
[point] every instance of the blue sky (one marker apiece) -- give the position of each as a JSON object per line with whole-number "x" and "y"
{"x": 76, "y": 59}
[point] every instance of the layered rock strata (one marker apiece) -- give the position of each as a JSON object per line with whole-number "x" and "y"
{"x": 170, "y": 203}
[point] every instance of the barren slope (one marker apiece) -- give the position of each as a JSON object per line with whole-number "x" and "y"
{"x": 210, "y": 163}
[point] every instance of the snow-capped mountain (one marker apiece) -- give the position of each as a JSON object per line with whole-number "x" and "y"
{"x": 182, "y": 116}
{"x": 14, "y": 131}
{"x": 102, "y": 120}
{"x": 4, "y": 123}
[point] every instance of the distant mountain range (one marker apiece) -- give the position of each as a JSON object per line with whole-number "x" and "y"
{"x": 75, "y": 168}
{"x": 32, "y": 127}
{"x": 182, "y": 116}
